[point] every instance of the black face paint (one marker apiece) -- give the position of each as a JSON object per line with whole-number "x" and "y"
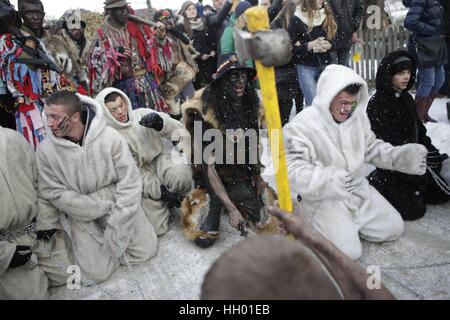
{"x": 119, "y": 15}
{"x": 64, "y": 125}
{"x": 238, "y": 80}
{"x": 238, "y": 77}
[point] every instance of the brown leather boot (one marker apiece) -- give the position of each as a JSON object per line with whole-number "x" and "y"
{"x": 421, "y": 104}
{"x": 431, "y": 98}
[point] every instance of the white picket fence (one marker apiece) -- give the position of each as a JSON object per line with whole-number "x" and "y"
{"x": 377, "y": 44}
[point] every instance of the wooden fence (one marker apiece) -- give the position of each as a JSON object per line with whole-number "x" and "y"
{"x": 377, "y": 44}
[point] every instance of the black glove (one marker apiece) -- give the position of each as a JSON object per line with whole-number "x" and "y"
{"x": 45, "y": 234}
{"x": 434, "y": 160}
{"x": 173, "y": 199}
{"x": 20, "y": 257}
{"x": 152, "y": 120}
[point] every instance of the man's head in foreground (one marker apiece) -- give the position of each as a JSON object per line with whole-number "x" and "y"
{"x": 267, "y": 267}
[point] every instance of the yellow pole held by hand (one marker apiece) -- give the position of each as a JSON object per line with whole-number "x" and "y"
{"x": 258, "y": 20}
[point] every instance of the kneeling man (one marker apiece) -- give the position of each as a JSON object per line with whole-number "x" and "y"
{"x": 85, "y": 169}
{"x": 164, "y": 183}
{"x": 326, "y": 147}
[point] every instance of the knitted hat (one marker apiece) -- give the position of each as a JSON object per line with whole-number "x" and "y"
{"x": 162, "y": 14}
{"x": 111, "y": 4}
{"x": 400, "y": 64}
{"x": 241, "y": 7}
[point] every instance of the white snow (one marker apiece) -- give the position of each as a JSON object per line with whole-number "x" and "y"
{"x": 179, "y": 266}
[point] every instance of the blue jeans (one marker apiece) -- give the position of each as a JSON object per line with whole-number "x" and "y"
{"x": 343, "y": 57}
{"x": 307, "y": 79}
{"x": 429, "y": 80}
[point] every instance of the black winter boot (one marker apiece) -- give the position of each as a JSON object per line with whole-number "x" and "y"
{"x": 211, "y": 226}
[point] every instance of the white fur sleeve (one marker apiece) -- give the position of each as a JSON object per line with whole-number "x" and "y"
{"x": 310, "y": 178}
{"x": 79, "y": 206}
{"x": 128, "y": 189}
{"x": 408, "y": 158}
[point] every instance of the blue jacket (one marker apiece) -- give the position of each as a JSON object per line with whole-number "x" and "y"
{"x": 424, "y": 19}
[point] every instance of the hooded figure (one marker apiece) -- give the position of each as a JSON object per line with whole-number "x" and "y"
{"x": 26, "y": 269}
{"x": 229, "y": 168}
{"x": 326, "y": 147}
{"x": 393, "y": 118}
{"x": 160, "y": 175}
{"x": 96, "y": 184}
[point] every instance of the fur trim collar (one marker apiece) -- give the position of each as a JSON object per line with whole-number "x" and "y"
{"x": 319, "y": 16}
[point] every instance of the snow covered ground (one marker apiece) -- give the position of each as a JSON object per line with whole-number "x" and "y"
{"x": 420, "y": 259}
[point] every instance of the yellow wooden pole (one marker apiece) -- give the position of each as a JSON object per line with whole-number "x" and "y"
{"x": 258, "y": 20}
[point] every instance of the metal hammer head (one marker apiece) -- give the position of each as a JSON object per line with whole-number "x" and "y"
{"x": 271, "y": 47}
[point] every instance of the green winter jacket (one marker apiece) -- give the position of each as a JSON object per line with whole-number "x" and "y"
{"x": 227, "y": 42}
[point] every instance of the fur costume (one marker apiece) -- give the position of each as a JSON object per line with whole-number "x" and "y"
{"x": 29, "y": 85}
{"x": 156, "y": 168}
{"x": 176, "y": 59}
{"x": 111, "y": 47}
{"x": 23, "y": 207}
{"x": 98, "y": 187}
{"x": 322, "y": 154}
{"x": 195, "y": 208}
{"x": 79, "y": 59}
{"x": 217, "y": 108}
{"x": 393, "y": 118}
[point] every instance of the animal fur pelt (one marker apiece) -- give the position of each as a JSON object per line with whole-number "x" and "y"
{"x": 58, "y": 49}
{"x": 192, "y": 110}
{"x": 195, "y": 208}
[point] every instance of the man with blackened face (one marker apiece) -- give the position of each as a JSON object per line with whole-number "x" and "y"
{"x": 230, "y": 175}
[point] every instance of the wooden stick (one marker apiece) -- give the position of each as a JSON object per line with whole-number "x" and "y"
{"x": 137, "y": 19}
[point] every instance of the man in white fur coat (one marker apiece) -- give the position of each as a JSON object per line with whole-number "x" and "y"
{"x": 326, "y": 146}
{"x": 85, "y": 169}
{"x": 26, "y": 268}
{"x": 164, "y": 183}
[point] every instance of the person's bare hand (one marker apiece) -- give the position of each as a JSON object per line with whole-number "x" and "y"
{"x": 235, "y": 218}
{"x": 297, "y": 224}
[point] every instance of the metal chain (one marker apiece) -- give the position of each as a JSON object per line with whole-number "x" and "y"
{"x": 426, "y": 266}
{"x": 122, "y": 249}
{"x": 441, "y": 184}
{"x": 11, "y": 235}
{"x": 90, "y": 283}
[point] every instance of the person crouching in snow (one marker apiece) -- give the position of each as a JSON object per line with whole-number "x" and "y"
{"x": 26, "y": 268}
{"x": 85, "y": 169}
{"x": 326, "y": 147}
{"x": 393, "y": 118}
{"x": 231, "y": 173}
{"x": 164, "y": 183}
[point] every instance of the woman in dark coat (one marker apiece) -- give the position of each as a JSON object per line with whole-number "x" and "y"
{"x": 393, "y": 117}
{"x": 286, "y": 79}
{"x": 195, "y": 28}
{"x": 425, "y": 20}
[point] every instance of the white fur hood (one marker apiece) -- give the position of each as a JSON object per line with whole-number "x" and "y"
{"x": 331, "y": 82}
{"x": 96, "y": 127}
{"x": 110, "y": 120}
